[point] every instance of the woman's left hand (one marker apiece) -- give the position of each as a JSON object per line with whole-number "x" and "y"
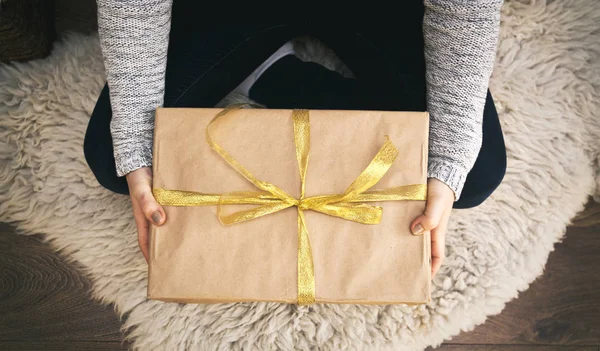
{"x": 440, "y": 198}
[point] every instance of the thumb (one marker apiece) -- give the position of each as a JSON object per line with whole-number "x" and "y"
{"x": 150, "y": 208}
{"x": 430, "y": 219}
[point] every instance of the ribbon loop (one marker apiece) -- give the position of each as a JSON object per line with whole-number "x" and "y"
{"x": 351, "y": 205}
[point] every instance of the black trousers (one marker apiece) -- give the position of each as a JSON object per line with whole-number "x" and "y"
{"x": 206, "y": 62}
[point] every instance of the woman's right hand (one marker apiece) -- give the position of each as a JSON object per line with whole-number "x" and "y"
{"x": 145, "y": 207}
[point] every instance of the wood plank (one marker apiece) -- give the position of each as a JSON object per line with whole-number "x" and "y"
{"x": 561, "y": 307}
{"x": 61, "y": 345}
{"x": 476, "y": 347}
{"x": 589, "y": 217}
{"x": 42, "y": 298}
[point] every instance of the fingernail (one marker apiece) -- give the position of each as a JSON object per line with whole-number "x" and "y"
{"x": 418, "y": 229}
{"x": 156, "y": 217}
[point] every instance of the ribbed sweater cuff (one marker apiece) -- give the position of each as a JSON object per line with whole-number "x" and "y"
{"x": 128, "y": 160}
{"x": 448, "y": 173}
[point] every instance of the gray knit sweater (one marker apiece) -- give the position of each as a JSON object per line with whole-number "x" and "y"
{"x": 460, "y": 44}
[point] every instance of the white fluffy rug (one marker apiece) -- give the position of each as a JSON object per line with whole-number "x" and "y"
{"x": 546, "y": 88}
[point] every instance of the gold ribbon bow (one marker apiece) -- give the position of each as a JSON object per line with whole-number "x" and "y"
{"x": 351, "y": 205}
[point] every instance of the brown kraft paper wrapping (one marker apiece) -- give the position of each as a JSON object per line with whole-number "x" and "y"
{"x": 196, "y": 259}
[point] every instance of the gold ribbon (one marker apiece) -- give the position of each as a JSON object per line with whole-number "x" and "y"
{"x": 351, "y": 205}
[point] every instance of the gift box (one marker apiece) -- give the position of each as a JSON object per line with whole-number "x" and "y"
{"x": 290, "y": 206}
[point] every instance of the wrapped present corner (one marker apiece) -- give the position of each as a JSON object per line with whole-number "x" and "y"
{"x": 291, "y": 206}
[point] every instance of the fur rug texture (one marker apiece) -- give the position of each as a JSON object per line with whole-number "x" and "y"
{"x": 545, "y": 84}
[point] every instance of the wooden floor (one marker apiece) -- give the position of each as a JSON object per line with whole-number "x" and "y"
{"x": 45, "y": 305}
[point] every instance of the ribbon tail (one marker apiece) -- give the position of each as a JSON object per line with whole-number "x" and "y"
{"x": 399, "y": 193}
{"x": 248, "y": 198}
{"x": 360, "y": 213}
{"x": 246, "y": 215}
{"x": 306, "y": 269}
{"x": 184, "y": 198}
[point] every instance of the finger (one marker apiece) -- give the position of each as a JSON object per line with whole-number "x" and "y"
{"x": 151, "y": 209}
{"x": 430, "y": 219}
{"x": 142, "y": 225}
{"x": 438, "y": 244}
{"x": 436, "y": 263}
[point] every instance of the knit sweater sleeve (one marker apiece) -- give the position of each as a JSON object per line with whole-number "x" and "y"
{"x": 134, "y": 36}
{"x": 460, "y": 46}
